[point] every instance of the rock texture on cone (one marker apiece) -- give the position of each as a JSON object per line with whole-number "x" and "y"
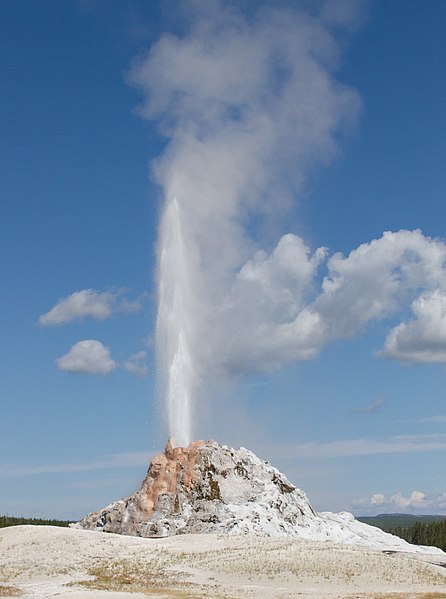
{"x": 212, "y": 488}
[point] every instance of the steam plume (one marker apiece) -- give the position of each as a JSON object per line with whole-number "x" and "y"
{"x": 249, "y": 106}
{"x": 246, "y": 105}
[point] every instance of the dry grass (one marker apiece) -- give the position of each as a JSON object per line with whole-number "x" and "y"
{"x": 150, "y": 577}
{"x": 409, "y": 596}
{"x": 209, "y": 567}
{"x": 158, "y": 574}
{"x": 7, "y": 591}
{"x": 276, "y": 560}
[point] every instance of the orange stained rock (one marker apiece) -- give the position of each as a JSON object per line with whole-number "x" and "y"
{"x": 166, "y": 470}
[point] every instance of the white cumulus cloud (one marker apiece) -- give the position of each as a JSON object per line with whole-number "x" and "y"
{"x": 87, "y": 357}
{"x": 377, "y": 279}
{"x": 377, "y": 499}
{"x": 136, "y": 364}
{"x": 423, "y": 339}
{"x": 276, "y": 311}
{"x": 415, "y": 501}
{"x": 99, "y": 305}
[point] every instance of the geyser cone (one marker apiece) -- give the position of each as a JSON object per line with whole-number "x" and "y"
{"x": 211, "y": 488}
{"x": 207, "y": 487}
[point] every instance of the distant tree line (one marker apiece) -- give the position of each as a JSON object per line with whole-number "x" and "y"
{"x": 389, "y": 521}
{"x": 423, "y": 533}
{"x": 12, "y": 521}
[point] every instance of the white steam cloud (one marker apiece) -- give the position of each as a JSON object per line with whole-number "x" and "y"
{"x": 249, "y": 106}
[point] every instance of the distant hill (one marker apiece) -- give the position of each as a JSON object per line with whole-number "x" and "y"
{"x": 389, "y": 521}
{"x": 14, "y": 521}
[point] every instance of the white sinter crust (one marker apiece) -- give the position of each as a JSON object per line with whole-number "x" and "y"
{"x": 212, "y": 488}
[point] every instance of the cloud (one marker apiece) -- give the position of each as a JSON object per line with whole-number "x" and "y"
{"x": 375, "y": 279}
{"x": 137, "y": 364}
{"x": 373, "y": 407}
{"x": 99, "y": 305}
{"x": 438, "y": 418}
{"x": 277, "y": 314}
{"x": 87, "y": 357}
{"x": 377, "y": 499}
{"x": 423, "y": 339}
{"x": 119, "y": 460}
{"x": 415, "y": 501}
{"x": 359, "y": 447}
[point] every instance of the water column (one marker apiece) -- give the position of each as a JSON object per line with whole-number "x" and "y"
{"x": 175, "y": 322}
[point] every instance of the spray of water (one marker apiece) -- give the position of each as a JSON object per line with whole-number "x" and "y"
{"x": 174, "y": 326}
{"x": 249, "y": 105}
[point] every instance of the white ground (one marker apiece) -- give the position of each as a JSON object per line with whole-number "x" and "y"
{"x": 40, "y": 561}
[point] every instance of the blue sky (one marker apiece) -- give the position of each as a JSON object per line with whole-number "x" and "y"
{"x": 79, "y": 211}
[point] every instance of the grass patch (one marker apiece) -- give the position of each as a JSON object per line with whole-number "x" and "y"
{"x": 8, "y": 591}
{"x": 393, "y": 595}
{"x": 409, "y": 596}
{"x": 150, "y": 577}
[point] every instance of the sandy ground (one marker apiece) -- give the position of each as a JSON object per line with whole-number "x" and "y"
{"x": 44, "y": 562}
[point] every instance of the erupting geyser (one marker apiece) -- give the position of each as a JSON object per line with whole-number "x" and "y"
{"x": 174, "y": 324}
{"x": 248, "y": 106}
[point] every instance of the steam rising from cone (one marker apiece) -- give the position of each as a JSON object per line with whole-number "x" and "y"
{"x": 249, "y": 105}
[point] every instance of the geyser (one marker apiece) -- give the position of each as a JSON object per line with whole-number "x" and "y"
{"x": 174, "y": 323}
{"x": 248, "y": 105}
